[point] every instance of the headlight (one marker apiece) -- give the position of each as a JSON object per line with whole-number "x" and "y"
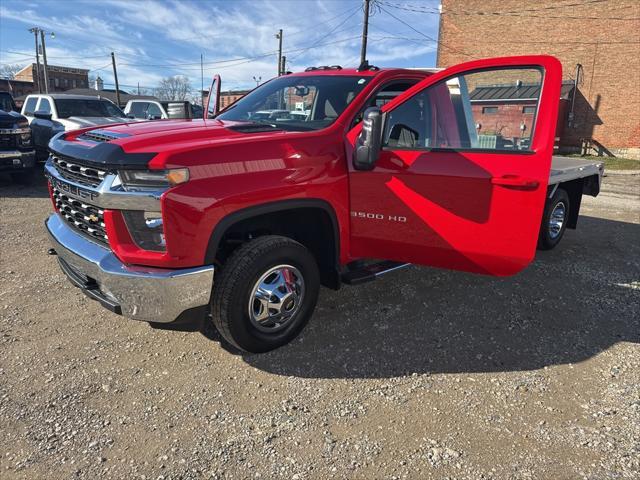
{"x": 146, "y": 229}
{"x": 152, "y": 180}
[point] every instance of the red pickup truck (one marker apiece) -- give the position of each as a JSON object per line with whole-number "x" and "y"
{"x": 323, "y": 177}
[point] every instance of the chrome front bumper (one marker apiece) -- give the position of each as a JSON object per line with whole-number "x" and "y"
{"x": 141, "y": 293}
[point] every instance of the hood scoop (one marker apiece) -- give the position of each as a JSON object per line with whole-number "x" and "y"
{"x": 254, "y": 128}
{"x": 100, "y": 136}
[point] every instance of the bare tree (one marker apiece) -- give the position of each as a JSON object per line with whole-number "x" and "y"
{"x": 145, "y": 91}
{"x": 9, "y": 70}
{"x": 177, "y": 87}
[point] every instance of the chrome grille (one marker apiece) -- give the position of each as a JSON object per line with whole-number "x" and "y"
{"x": 86, "y": 218}
{"x": 76, "y": 172}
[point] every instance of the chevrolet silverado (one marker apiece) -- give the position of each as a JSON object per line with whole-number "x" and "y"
{"x": 240, "y": 218}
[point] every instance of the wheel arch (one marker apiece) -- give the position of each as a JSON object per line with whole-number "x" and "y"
{"x": 330, "y": 269}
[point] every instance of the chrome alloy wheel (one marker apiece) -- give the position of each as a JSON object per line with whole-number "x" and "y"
{"x": 557, "y": 219}
{"x": 276, "y": 298}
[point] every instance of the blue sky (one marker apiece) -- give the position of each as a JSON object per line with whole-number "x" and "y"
{"x": 153, "y": 39}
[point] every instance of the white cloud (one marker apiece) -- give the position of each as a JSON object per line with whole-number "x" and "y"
{"x": 148, "y": 33}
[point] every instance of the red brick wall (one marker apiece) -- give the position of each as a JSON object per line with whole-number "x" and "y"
{"x": 607, "y": 107}
{"x": 60, "y": 78}
{"x": 506, "y": 121}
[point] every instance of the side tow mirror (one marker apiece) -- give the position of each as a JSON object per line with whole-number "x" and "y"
{"x": 369, "y": 141}
{"x": 42, "y": 115}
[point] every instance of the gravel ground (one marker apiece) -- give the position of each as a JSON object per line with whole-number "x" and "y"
{"x": 422, "y": 374}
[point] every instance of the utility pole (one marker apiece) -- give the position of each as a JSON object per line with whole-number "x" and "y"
{"x": 35, "y": 30}
{"x": 365, "y": 31}
{"x": 44, "y": 62}
{"x": 115, "y": 76}
{"x": 283, "y": 65}
{"x": 279, "y": 37}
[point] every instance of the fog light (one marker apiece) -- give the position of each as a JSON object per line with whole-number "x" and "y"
{"x": 146, "y": 229}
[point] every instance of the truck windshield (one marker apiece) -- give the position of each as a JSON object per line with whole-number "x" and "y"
{"x": 297, "y": 102}
{"x": 6, "y": 102}
{"x": 75, "y": 107}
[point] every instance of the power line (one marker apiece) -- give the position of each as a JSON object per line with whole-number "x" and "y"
{"x": 289, "y": 34}
{"x": 326, "y": 35}
{"x": 241, "y": 60}
{"x": 554, "y": 6}
{"x": 516, "y": 42}
{"x": 101, "y": 68}
{"x": 54, "y": 56}
{"x": 423, "y": 34}
{"x": 512, "y": 13}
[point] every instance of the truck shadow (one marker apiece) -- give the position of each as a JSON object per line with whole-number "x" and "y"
{"x": 569, "y": 305}
{"x": 35, "y": 188}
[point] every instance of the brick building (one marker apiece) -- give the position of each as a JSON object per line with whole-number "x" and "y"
{"x": 16, "y": 88}
{"x": 227, "y": 97}
{"x": 60, "y": 78}
{"x": 230, "y": 96}
{"x": 602, "y": 37}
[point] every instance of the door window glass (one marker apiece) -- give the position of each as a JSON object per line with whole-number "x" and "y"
{"x": 387, "y": 93}
{"x": 44, "y": 106}
{"x": 480, "y": 110}
{"x": 139, "y": 109}
{"x": 30, "y": 106}
{"x": 154, "y": 111}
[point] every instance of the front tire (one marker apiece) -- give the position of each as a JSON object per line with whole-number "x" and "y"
{"x": 265, "y": 293}
{"x": 554, "y": 220}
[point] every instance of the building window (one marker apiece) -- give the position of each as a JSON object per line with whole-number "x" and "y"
{"x": 529, "y": 109}
{"x": 56, "y": 81}
{"x": 489, "y": 110}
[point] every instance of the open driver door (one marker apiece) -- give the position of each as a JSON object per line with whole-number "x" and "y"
{"x": 453, "y": 172}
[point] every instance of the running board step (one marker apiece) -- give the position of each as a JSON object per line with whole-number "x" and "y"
{"x": 370, "y": 272}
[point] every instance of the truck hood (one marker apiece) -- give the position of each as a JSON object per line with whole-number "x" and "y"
{"x": 171, "y": 135}
{"x": 12, "y": 119}
{"x": 163, "y": 128}
{"x": 133, "y": 145}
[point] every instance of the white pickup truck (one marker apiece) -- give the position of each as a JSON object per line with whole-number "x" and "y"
{"x": 50, "y": 114}
{"x": 161, "y": 110}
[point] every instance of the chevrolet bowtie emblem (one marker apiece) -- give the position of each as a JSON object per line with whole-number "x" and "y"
{"x": 93, "y": 218}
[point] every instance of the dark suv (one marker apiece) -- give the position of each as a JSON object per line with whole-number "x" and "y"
{"x": 17, "y": 156}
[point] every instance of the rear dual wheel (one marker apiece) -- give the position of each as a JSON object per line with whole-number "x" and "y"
{"x": 554, "y": 220}
{"x": 265, "y": 293}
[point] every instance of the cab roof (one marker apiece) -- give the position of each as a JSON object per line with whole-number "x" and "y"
{"x": 371, "y": 72}
{"x": 66, "y": 96}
